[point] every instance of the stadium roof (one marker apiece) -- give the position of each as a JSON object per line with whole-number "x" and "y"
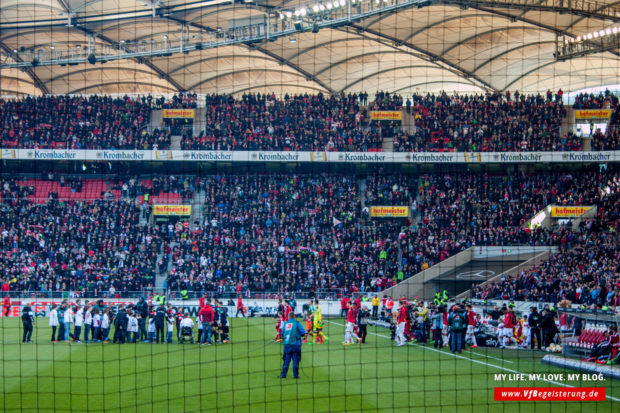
{"x": 455, "y": 45}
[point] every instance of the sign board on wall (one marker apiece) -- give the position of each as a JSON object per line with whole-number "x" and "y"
{"x": 389, "y": 211}
{"x": 178, "y": 113}
{"x": 569, "y": 211}
{"x": 592, "y": 114}
{"x": 255, "y": 307}
{"x": 451, "y": 158}
{"x": 386, "y": 115}
{"x": 175, "y": 210}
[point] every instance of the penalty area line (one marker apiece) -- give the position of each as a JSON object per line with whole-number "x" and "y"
{"x": 458, "y": 356}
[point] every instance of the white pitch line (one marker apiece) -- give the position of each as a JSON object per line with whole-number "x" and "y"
{"x": 480, "y": 362}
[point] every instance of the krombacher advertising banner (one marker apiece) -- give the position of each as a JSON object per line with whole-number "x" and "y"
{"x": 80, "y": 155}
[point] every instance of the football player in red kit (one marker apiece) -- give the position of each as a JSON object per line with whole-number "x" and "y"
{"x": 349, "y": 331}
{"x": 401, "y": 321}
{"x": 471, "y": 324}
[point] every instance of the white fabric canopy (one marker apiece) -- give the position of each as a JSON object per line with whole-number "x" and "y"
{"x": 433, "y": 48}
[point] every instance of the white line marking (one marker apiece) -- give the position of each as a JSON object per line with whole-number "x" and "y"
{"x": 478, "y": 361}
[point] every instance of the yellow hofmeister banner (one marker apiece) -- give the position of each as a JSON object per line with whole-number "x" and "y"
{"x": 389, "y": 211}
{"x": 172, "y": 209}
{"x": 386, "y": 115}
{"x": 179, "y": 113}
{"x": 569, "y": 211}
{"x": 592, "y": 113}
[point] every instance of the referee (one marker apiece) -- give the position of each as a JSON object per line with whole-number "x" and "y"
{"x": 292, "y": 332}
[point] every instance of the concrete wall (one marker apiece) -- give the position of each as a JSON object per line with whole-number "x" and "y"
{"x": 515, "y": 271}
{"x": 416, "y": 286}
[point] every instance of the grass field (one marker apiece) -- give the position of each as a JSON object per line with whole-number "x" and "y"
{"x": 242, "y": 376}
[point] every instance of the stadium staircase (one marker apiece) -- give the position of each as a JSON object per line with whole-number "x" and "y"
{"x": 408, "y": 123}
{"x": 175, "y": 142}
{"x": 387, "y": 145}
{"x": 361, "y": 185}
{"x": 197, "y": 203}
{"x": 159, "y": 276}
{"x": 157, "y": 119}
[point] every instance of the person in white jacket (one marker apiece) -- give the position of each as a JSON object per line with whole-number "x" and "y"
{"x": 132, "y": 328}
{"x": 68, "y": 319}
{"x": 88, "y": 323}
{"x": 79, "y": 322}
{"x": 54, "y": 321}
{"x": 105, "y": 325}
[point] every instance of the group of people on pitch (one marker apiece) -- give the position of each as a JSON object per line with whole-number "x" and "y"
{"x": 93, "y": 322}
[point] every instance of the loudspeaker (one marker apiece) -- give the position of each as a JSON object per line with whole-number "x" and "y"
{"x": 92, "y": 59}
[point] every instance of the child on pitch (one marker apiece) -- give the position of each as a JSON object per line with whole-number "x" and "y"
{"x": 170, "y": 322}
{"x": 279, "y": 323}
{"x": 151, "y": 328}
{"x": 317, "y": 333}
{"x": 309, "y": 323}
{"x": 199, "y": 341}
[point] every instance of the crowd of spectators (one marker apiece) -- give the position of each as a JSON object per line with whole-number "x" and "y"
{"x": 85, "y": 246}
{"x": 301, "y": 232}
{"x": 482, "y": 123}
{"x": 585, "y": 269}
{"x": 182, "y": 100}
{"x": 279, "y": 233}
{"x": 464, "y": 123}
{"x": 75, "y": 122}
{"x": 295, "y": 123}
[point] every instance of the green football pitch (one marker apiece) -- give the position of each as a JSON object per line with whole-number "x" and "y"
{"x": 242, "y": 376}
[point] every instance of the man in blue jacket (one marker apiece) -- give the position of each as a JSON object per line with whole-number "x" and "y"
{"x": 292, "y": 333}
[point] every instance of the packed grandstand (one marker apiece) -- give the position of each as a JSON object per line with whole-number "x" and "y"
{"x": 299, "y": 231}
{"x": 443, "y": 123}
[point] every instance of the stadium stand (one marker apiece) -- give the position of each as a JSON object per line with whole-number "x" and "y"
{"x": 94, "y": 246}
{"x": 300, "y": 123}
{"x": 443, "y": 123}
{"x": 72, "y": 122}
{"x": 477, "y": 123}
